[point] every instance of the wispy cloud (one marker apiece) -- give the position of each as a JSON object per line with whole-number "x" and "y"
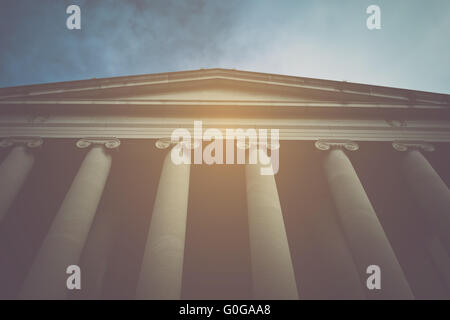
{"x": 326, "y": 39}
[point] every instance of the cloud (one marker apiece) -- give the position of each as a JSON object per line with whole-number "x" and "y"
{"x": 325, "y": 39}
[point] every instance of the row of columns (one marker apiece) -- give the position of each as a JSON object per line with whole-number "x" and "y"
{"x": 272, "y": 269}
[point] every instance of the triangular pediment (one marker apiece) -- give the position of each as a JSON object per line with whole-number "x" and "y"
{"x": 219, "y": 85}
{"x": 220, "y": 91}
{"x": 236, "y": 90}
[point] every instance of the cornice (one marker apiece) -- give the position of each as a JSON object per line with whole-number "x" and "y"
{"x": 211, "y": 103}
{"x": 290, "y": 129}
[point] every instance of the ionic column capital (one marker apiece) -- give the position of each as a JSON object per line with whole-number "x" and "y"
{"x": 164, "y": 143}
{"x": 107, "y": 142}
{"x": 325, "y": 145}
{"x": 414, "y": 145}
{"x": 245, "y": 145}
{"x": 29, "y": 142}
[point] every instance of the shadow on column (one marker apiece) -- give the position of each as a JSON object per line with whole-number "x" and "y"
{"x": 29, "y": 218}
{"x": 129, "y": 199}
{"x": 322, "y": 261}
{"x": 217, "y": 254}
{"x": 377, "y": 164}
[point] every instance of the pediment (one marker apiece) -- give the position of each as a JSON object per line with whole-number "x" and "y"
{"x": 214, "y": 90}
{"x": 235, "y": 90}
{"x": 225, "y": 91}
{"x": 218, "y": 85}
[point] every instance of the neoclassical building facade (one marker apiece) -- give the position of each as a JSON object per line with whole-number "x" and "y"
{"x": 87, "y": 179}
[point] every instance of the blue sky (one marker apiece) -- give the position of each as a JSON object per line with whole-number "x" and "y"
{"x": 324, "y": 39}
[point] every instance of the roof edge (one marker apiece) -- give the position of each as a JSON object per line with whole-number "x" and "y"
{"x": 344, "y": 86}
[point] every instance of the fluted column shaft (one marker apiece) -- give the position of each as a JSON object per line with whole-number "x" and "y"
{"x": 431, "y": 192}
{"x": 67, "y": 235}
{"x": 272, "y": 270}
{"x": 365, "y": 235}
{"x": 14, "y": 170}
{"x": 162, "y": 265}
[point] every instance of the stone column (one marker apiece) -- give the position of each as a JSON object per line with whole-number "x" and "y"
{"x": 431, "y": 192}
{"x": 433, "y": 197}
{"x": 272, "y": 271}
{"x": 15, "y": 168}
{"x": 162, "y": 265}
{"x": 363, "y": 231}
{"x": 66, "y": 238}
